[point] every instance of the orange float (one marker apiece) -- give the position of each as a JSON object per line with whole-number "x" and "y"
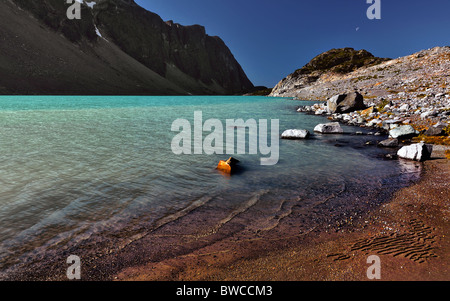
{"x": 227, "y": 166}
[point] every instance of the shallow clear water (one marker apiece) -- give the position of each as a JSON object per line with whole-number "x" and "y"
{"x": 75, "y": 166}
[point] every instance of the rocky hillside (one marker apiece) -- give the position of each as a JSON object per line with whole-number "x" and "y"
{"x": 335, "y": 62}
{"x": 413, "y": 90}
{"x": 116, "y": 48}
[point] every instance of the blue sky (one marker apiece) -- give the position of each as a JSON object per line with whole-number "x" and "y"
{"x": 273, "y": 38}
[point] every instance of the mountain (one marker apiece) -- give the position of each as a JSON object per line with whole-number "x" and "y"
{"x": 412, "y": 78}
{"x": 410, "y": 90}
{"x": 335, "y": 62}
{"x": 117, "y": 47}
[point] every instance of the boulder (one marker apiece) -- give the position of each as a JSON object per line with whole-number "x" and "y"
{"x": 345, "y": 103}
{"x": 329, "y": 128}
{"x": 417, "y": 152}
{"x": 403, "y": 132}
{"x": 332, "y": 103}
{"x": 388, "y": 143}
{"x": 373, "y": 122}
{"x": 404, "y": 108}
{"x": 295, "y": 134}
{"x": 427, "y": 114}
{"x": 320, "y": 112}
{"x": 436, "y": 130}
{"x": 390, "y": 124}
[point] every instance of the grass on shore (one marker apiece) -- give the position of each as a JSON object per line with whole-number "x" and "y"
{"x": 441, "y": 140}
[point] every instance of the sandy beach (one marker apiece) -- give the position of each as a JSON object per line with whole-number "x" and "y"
{"x": 409, "y": 234}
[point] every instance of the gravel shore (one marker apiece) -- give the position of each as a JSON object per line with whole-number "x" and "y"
{"x": 410, "y": 234}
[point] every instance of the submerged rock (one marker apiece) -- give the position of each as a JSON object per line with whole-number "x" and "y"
{"x": 295, "y": 134}
{"x": 417, "y": 152}
{"x": 389, "y": 143}
{"x": 329, "y": 128}
{"x": 391, "y": 156}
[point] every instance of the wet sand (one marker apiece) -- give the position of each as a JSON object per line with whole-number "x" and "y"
{"x": 410, "y": 234}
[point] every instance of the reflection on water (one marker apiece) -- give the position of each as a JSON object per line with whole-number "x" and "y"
{"x": 411, "y": 168}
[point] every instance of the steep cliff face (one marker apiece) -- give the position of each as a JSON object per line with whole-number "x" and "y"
{"x": 165, "y": 46}
{"x": 333, "y": 62}
{"x": 116, "y": 48}
{"x": 53, "y": 14}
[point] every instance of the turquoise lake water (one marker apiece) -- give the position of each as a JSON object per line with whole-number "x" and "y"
{"x": 76, "y": 166}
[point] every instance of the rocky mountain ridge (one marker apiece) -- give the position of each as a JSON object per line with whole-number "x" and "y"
{"x": 414, "y": 89}
{"x": 336, "y": 62}
{"x": 117, "y": 47}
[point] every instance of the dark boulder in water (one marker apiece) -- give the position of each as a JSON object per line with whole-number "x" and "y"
{"x": 388, "y": 143}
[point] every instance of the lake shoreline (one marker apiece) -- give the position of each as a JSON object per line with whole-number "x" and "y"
{"x": 416, "y": 214}
{"x": 216, "y": 236}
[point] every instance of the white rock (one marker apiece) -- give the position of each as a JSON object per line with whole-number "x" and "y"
{"x": 346, "y": 117}
{"x": 337, "y": 116}
{"x": 440, "y": 124}
{"x": 402, "y": 131}
{"x": 424, "y": 115}
{"x": 320, "y": 112}
{"x": 417, "y": 152}
{"x": 360, "y": 120}
{"x": 295, "y": 134}
{"x": 427, "y": 114}
{"x": 329, "y": 128}
{"x": 404, "y": 108}
{"x": 373, "y": 122}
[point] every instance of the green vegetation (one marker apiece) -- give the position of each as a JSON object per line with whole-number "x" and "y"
{"x": 438, "y": 140}
{"x": 368, "y": 77}
{"x": 342, "y": 60}
{"x": 447, "y": 130}
{"x": 262, "y": 92}
{"x": 382, "y": 104}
